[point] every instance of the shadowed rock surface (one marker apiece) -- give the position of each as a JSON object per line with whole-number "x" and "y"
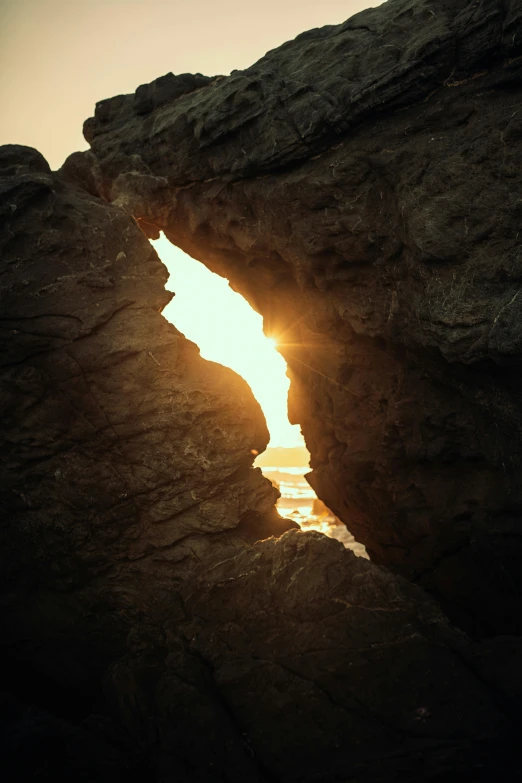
{"x": 116, "y": 429}
{"x": 361, "y": 187}
{"x": 147, "y": 634}
{"x": 323, "y": 665}
{"x": 125, "y": 457}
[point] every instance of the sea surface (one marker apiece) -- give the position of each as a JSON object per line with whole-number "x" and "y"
{"x": 299, "y": 502}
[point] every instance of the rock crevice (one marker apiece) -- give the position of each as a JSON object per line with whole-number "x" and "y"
{"x": 360, "y": 187}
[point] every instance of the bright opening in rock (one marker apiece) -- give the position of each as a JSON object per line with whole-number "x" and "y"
{"x": 228, "y": 331}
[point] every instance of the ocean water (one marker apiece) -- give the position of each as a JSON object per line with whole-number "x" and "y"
{"x": 299, "y": 502}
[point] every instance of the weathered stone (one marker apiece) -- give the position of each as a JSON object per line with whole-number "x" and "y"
{"x": 125, "y": 456}
{"x": 361, "y": 187}
{"x": 296, "y": 660}
{"x": 143, "y": 628}
{"x": 340, "y": 652}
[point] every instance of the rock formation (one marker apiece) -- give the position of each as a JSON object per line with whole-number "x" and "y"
{"x": 145, "y": 633}
{"x": 125, "y": 456}
{"x": 360, "y": 186}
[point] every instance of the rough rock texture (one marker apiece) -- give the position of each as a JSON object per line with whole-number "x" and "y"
{"x": 324, "y": 666}
{"x": 119, "y": 429}
{"x": 124, "y": 455}
{"x": 361, "y": 187}
{"x": 147, "y": 633}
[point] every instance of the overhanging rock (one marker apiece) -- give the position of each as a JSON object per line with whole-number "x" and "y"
{"x": 361, "y": 187}
{"x": 146, "y": 627}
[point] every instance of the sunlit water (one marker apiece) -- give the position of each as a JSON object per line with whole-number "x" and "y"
{"x": 297, "y": 502}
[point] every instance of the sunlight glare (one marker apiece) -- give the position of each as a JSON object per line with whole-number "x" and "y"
{"x": 228, "y": 331}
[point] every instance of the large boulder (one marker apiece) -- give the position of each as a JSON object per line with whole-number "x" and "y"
{"x": 151, "y": 628}
{"x": 124, "y": 454}
{"x": 360, "y": 185}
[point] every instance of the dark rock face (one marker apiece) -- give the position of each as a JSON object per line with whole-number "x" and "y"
{"x": 120, "y": 430}
{"x": 38, "y": 746}
{"x": 333, "y": 667}
{"x": 361, "y": 187}
{"x": 125, "y": 456}
{"x": 147, "y": 632}
{"x": 344, "y": 654}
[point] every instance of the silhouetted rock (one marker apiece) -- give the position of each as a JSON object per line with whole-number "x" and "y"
{"x": 36, "y": 745}
{"x": 334, "y": 669}
{"x": 137, "y": 611}
{"x": 298, "y": 661}
{"x": 125, "y": 456}
{"x": 115, "y": 427}
{"x": 361, "y": 187}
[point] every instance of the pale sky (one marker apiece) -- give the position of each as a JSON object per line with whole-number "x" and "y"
{"x": 59, "y": 57}
{"x": 207, "y": 311}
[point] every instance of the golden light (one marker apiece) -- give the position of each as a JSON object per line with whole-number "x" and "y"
{"x": 228, "y": 331}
